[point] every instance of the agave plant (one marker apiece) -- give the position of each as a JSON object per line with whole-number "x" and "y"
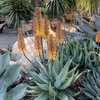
{"x": 55, "y": 8}
{"x": 16, "y": 11}
{"x": 91, "y": 85}
{"x": 52, "y": 81}
{"x": 9, "y": 74}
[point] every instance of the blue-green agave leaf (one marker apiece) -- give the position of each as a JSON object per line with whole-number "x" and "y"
{"x": 12, "y": 74}
{"x": 3, "y": 89}
{"x": 63, "y": 74}
{"x": 4, "y": 61}
{"x": 42, "y": 96}
{"x": 17, "y": 93}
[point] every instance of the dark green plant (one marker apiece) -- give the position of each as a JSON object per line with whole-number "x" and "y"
{"x": 70, "y": 4}
{"x": 9, "y": 74}
{"x": 16, "y": 11}
{"x": 55, "y": 8}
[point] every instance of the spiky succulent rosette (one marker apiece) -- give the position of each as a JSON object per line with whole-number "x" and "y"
{"x": 53, "y": 80}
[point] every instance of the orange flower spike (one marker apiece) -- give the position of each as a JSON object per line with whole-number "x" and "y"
{"x": 46, "y": 26}
{"x": 59, "y": 33}
{"x": 52, "y": 52}
{"x": 36, "y": 30}
{"x": 98, "y": 37}
{"x": 38, "y": 45}
{"x": 42, "y": 27}
{"x": 62, "y": 37}
{"x": 39, "y": 23}
{"x": 21, "y": 42}
{"x": 34, "y": 25}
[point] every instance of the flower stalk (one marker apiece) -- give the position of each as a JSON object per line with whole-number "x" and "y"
{"x": 46, "y": 27}
{"x": 38, "y": 23}
{"x": 59, "y": 33}
{"x": 38, "y": 46}
{"x": 21, "y": 42}
{"x": 42, "y": 31}
{"x": 52, "y": 52}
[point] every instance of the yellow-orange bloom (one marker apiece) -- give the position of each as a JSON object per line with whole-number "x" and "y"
{"x": 42, "y": 27}
{"x": 38, "y": 23}
{"x": 98, "y": 37}
{"x": 59, "y": 33}
{"x": 38, "y": 45}
{"x": 52, "y": 52}
{"x": 21, "y": 42}
{"x": 46, "y": 27}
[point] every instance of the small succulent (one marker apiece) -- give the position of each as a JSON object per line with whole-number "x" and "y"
{"x": 9, "y": 74}
{"x": 53, "y": 80}
{"x": 91, "y": 85}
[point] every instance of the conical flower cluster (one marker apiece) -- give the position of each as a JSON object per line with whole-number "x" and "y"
{"x": 46, "y": 27}
{"x": 21, "y": 42}
{"x": 38, "y": 23}
{"x": 52, "y": 52}
{"x": 38, "y": 45}
{"x": 42, "y": 31}
{"x": 59, "y": 33}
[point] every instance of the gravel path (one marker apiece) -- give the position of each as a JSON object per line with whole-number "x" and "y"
{"x": 7, "y": 39}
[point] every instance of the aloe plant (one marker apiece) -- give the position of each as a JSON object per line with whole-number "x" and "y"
{"x": 91, "y": 85}
{"x": 52, "y": 81}
{"x": 55, "y": 8}
{"x": 9, "y": 74}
